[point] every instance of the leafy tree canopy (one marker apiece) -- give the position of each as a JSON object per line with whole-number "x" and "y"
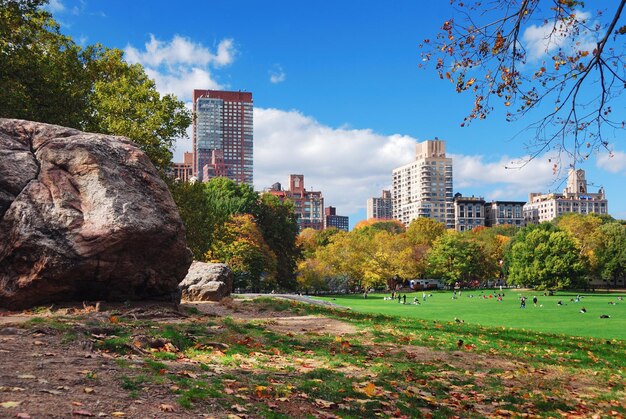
{"x": 561, "y": 58}
{"x": 45, "y": 76}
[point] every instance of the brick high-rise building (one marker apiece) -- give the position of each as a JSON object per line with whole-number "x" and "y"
{"x": 380, "y": 208}
{"x": 222, "y": 135}
{"x": 423, "y": 188}
{"x": 340, "y": 222}
{"x": 308, "y": 205}
{"x": 183, "y": 171}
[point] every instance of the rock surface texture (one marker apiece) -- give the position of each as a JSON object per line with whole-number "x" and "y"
{"x": 207, "y": 282}
{"x": 83, "y": 217}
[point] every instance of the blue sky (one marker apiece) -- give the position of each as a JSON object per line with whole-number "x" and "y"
{"x": 337, "y": 91}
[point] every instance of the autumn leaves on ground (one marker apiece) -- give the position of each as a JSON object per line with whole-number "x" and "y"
{"x": 276, "y": 358}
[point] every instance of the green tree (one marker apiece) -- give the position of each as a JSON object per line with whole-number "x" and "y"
{"x": 278, "y": 224}
{"x": 424, "y": 231}
{"x": 42, "y": 75}
{"x": 611, "y": 253}
{"x": 124, "y": 101}
{"x": 312, "y": 275}
{"x": 46, "y": 77}
{"x": 455, "y": 258}
{"x": 546, "y": 258}
{"x": 240, "y": 244}
{"x": 196, "y": 213}
{"x": 373, "y": 225}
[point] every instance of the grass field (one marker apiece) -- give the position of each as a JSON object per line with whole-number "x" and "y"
{"x": 547, "y": 316}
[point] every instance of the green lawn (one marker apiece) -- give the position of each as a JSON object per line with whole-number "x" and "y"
{"x": 548, "y": 316}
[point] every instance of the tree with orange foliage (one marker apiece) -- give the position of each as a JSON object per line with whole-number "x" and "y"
{"x": 553, "y": 56}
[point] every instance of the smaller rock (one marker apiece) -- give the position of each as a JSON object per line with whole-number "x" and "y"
{"x": 207, "y": 282}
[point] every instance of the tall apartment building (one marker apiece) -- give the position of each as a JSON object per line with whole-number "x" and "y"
{"x": 423, "y": 188}
{"x": 504, "y": 213}
{"x": 380, "y": 208}
{"x": 222, "y": 135}
{"x": 575, "y": 198}
{"x": 331, "y": 219}
{"x": 469, "y": 212}
{"x": 183, "y": 171}
{"x": 308, "y": 205}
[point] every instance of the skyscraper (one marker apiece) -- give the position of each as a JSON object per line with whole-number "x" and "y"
{"x": 222, "y": 135}
{"x": 380, "y": 208}
{"x": 423, "y": 188}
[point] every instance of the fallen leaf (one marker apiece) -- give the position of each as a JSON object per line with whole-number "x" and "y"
{"x": 26, "y": 376}
{"x": 325, "y": 404}
{"x": 82, "y": 413}
{"x": 9, "y": 405}
{"x": 370, "y": 389}
{"x": 2, "y": 388}
{"x": 22, "y": 415}
{"x": 88, "y": 390}
{"x": 118, "y": 414}
{"x": 166, "y": 407}
{"x": 55, "y": 392}
{"x": 238, "y": 408}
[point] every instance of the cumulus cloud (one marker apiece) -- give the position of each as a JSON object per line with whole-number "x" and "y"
{"x": 542, "y": 40}
{"x": 56, "y": 6}
{"x": 277, "y": 75}
{"x": 180, "y": 65}
{"x": 351, "y": 165}
{"x": 179, "y": 51}
{"x": 614, "y": 162}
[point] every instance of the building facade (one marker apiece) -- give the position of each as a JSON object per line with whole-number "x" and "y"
{"x": 575, "y": 199}
{"x": 331, "y": 219}
{"x": 423, "y": 188}
{"x": 499, "y": 213}
{"x": 380, "y": 208}
{"x": 183, "y": 171}
{"x": 308, "y": 205}
{"x": 469, "y": 212}
{"x": 222, "y": 135}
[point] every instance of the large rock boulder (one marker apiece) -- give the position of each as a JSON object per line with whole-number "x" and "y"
{"x": 207, "y": 282}
{"x": 83, "y": 217}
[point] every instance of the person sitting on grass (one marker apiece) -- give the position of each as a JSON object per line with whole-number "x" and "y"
{"x": 583, "y": 310}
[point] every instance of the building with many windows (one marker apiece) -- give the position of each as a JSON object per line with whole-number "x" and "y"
{"x": 380, "y": 208}
{"x": 308, "y": 205}
{"x": 331, "y": 219}
{"x": 469, "y": 212}
{"x": 575, "y": 198}
{"x": 222, "y": 135}
{"x": 183, "y": 171}
{"x": 499, "y": 213}
{"x": 423, "y": 188}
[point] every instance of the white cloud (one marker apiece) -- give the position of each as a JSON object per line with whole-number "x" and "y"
{"x": 347, "y": 165}
{"x": 614, "y": 162}
{"x": 182, "y": 81}
{"x": 277, "y": 74}
{"x": 180, "y": 51}
{"x": 56, "y": 6}
{"x": 542, "y": 40}
{"x": 351, "y": 165}
{"x": 181, "y": 65}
